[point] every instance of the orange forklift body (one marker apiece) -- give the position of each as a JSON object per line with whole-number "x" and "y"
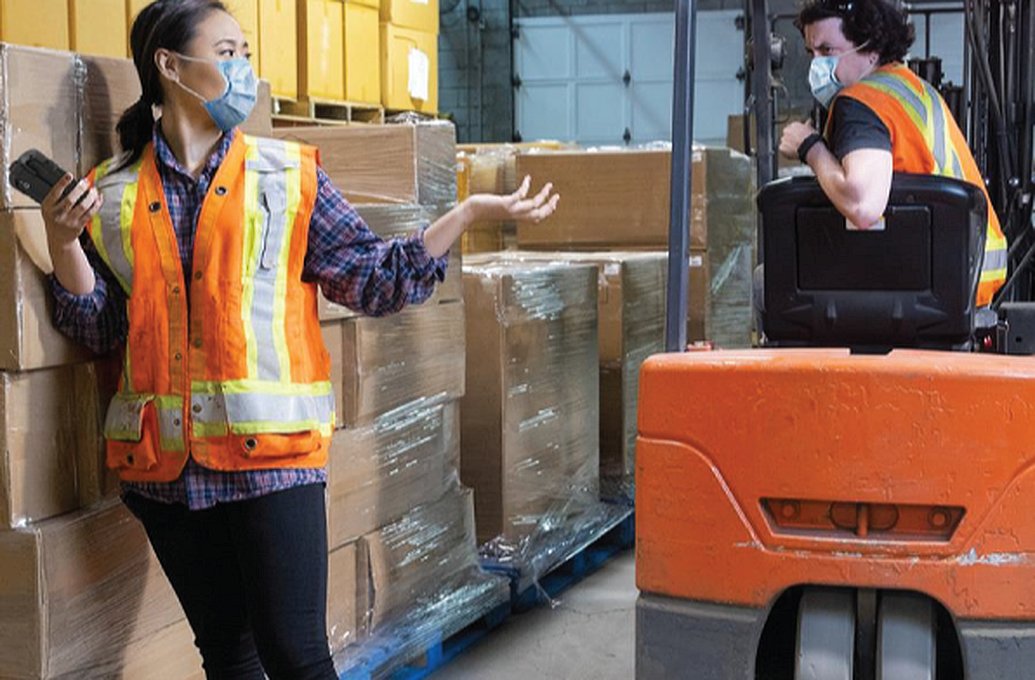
{"x": 760, "y": 470}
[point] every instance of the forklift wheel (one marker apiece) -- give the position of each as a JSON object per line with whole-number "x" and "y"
{"x": 906, "y": 638}
{"x": 826, "y": 635}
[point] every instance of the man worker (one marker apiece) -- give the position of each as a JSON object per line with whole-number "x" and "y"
{"x": 882, "y": 119}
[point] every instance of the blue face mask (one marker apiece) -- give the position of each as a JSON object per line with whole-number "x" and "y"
{"x": 823, "y": 77}
{"x": 238, "y": 99}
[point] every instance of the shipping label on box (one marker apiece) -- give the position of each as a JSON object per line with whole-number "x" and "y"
{"x": 409, "y": 69}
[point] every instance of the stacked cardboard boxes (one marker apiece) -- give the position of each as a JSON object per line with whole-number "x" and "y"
{"x": 336, "y": 43}
{"x": 81, "y": 594}
{"x": 395, "y": 503}
{"x": 620, "y": 200}
{"x": 530, "y": 414}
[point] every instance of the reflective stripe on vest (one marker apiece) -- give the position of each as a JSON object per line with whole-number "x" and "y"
{"x": 245, "y": 407}
{"x": 115, "y": 245}
{"x": 927, "y": 112}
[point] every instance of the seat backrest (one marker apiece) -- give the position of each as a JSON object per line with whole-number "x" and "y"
{"x": 910, "y": 284}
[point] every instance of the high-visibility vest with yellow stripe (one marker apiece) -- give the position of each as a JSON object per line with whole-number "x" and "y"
{"x": 228, "y": 366}
{"x": 926, "y": 140}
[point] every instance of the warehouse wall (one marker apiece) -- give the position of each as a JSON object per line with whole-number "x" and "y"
{"x": 474, "y": 57}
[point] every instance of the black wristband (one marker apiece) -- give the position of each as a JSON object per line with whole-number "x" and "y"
{"x": 806, "y": 146}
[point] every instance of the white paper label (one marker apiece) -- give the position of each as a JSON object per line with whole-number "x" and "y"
{"x": 419, "y": 2}
{"x": 696, "y": 261}
{"x": 879, "y": 225}
{"x": 420, "y": 66}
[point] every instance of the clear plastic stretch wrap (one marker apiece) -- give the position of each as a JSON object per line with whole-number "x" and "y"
{"x": 419, "y": 581}
{"x": 390, "y": 221}
{"x": 404, "y": 458}
{"x": 631, "y": 313}
{"x": 411, "y": 162}
{"x": 82, "y": 595}
{"x": 724, "y": 199}
{"x": 530, "y": 418}
{"x": 381, "y": 363}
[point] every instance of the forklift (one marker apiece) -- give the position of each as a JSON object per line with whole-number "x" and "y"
{"x": 853, "y": 500}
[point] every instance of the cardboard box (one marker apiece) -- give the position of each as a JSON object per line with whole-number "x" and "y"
{"x": 334, "y": 341}
{"x": 344, "y": 607}
{"x": 28, "y": 338}
{"x": 98, "y": 27}
{"x": 409, "y": 68}
{"x": 52, "y": 431}
{"x": 112, "y": 86}
{"x": 700, "y": 294}
{"x": 362, "y": 41}
{"x": 391, "y": 361}
{"x": 380, "y": 471}
{"x": 168, "y": 654}
{"x": 278, "y": 38}
{"x": 428, "y": 551}
{"x": 40, "y": 104}
{"x": 403, "y": 163}
{"x": 39, "y": 23}
{"x": 631, "y": 314}
{"x": 419, "y": 15}
{"x": 321, "y": 51}
{"x": 616, "y": 199}
{"x": 394, "y": 221}
{"x": 76, "y": 591}
{"x": 530, "y": 428}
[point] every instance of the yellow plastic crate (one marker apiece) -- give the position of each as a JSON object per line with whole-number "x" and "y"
{"x": 419, "y": 15}
{"x": 22, "y": 22}
{"x": 278, "y": 40}
{"x": 401, "y": 47}
{"x": 362, "y": 42}
{"x": 98, "y": 27}
{"x": 321, "y": 49}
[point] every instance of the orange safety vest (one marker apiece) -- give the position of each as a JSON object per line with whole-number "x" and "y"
{"x": 230, "y": 369}
{"x": 926, "y": 140}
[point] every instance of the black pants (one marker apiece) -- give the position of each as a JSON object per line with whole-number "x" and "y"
{"x": 252, "y": 578}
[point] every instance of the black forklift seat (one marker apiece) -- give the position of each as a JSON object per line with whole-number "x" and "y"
{"x": 910, "y": 284}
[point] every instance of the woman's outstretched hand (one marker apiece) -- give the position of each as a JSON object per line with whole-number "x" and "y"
{"x": 516, "y": 206}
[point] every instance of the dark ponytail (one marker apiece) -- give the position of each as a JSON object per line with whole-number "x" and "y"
{"x": 168, "y": 24}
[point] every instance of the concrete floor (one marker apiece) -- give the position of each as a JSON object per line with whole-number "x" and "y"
{"x": 588, "y": 635}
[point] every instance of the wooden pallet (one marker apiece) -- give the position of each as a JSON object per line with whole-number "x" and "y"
{"x": 315, "y": 111}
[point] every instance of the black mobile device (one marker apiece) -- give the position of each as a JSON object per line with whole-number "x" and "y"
{"x": 35, "y": 175}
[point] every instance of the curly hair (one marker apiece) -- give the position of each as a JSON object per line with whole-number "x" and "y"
{"x": 879, "y": 24}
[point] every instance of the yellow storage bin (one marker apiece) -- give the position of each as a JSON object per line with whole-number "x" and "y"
{"x": 38, "y": 23}
{"x": 409, "y": 69}
{"x": 321, "y": 49}
{"x": 98, "y": 27}
{"x": 362, "y": 50}
{"x": 420, "y": 15}
{"x": 278, "y": 39}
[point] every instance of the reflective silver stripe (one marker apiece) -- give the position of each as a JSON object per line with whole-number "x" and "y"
{"x": 902, "y": 90}
{"x": 270, "y": 162}
{"x": 118, "y": 205}
{"x": 281, "y": 412}
{"x": 994, "y": 260}
{"x": 957, "y": 170}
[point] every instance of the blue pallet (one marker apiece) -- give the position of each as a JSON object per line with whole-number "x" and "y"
{"x": 436, "y": 655}
{"x": 566, "y": 574}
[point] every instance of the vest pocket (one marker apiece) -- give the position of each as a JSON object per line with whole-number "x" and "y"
{"x": 131, "y": 431}
{"x": 276, "y": 445}
{"x": 274, "y": 208}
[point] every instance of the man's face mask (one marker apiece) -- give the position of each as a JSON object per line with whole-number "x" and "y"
{"x": 238, "y": 99}
{"x": 823, "y": 77}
